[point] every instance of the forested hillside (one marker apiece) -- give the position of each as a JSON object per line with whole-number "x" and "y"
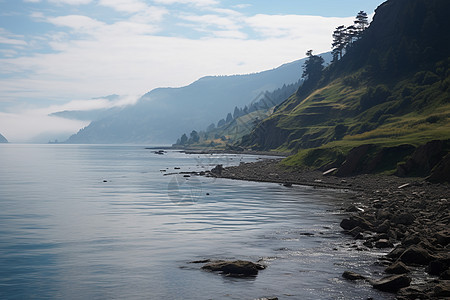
{"x": 390, "y": 92}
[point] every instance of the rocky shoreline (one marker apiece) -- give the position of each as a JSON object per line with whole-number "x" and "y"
{"x": 408, "y": 215}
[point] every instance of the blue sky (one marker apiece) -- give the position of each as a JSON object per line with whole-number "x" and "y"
{"x": 59, "y": 54}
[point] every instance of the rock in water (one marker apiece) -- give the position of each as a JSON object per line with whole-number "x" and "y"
{"x": 237, "y": 268}
{"x": 352, "y": 276}
{"x": 397, "y": 268}
{"x": 392, "y": 283}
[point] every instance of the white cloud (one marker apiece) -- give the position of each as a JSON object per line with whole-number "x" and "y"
{"x": 32, "y": 1}
{"x": 193, "y": 2}
{"x": 296, "y": 26}
{"x": 71, "y": 2}
{"x": 11, "y": 39}
{"x": 77, "y": 22}
{"x": 212, "y": 20}
{"x": 130, "y": 6}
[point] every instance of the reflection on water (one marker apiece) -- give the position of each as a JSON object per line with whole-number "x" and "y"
{"x": 101, "y": 222}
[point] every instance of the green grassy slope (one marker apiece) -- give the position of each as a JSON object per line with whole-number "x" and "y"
{"x": 392, "y": 88}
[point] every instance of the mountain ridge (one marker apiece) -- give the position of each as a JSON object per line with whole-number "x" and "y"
{"x": 163, "y": 114}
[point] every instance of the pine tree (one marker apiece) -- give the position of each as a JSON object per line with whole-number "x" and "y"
{"x": 361, "y": 22}
{"x": 313, "y": 66}
{"x": 339, "y": 42}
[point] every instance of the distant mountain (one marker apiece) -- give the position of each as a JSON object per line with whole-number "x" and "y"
{"x": 163, "y": 114}
{"x": 3, "y": 139}
{"x": 239, "y": 122}
{"x": 388, "y": 95}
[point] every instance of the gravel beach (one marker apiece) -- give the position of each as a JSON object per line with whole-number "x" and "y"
{"x": 408, "y": 215}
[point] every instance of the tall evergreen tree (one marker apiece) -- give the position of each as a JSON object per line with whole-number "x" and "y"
{"x": 313, "y": 66}
{"x": 339, "y": 42}
{"x": 361, "y": 22}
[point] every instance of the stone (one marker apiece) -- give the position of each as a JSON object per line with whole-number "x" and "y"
{"x": 397, "y": 268}
{"x": 352, "y": 276}
{"x": 442, "y": 237}
{"x": 354, "y": 221}
{"x": 356, "y": 232}
{"x": 217, "y": 170}
{"x": 396, "y": 253}
{"x": 442, "y": 290}
{"x": 438, "y": 266}
{"x": 416, "y": 255}
{"x": 403, "y": 218}
{"x": 392, "y": 283}
{"x": 445, "y": 275}
{"x": 383, "y": 243}
{"x": 411, "y": 240}
{"x": 383, "y": 227}
{"x": 352, "y": 208}
{"x": 237, "y": 268}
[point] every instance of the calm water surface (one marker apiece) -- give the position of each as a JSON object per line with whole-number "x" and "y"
{"x": 105, "y": 222}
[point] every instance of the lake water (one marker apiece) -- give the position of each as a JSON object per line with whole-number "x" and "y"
{"x": 105, "y": 222}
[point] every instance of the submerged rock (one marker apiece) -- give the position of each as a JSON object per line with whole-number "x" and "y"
{"x": 236, "y": 268}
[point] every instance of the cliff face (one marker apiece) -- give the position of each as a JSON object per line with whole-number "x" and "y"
{"x": 392, "y": 88}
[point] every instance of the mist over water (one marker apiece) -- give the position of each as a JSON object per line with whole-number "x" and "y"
{"x": 102, "y": 222}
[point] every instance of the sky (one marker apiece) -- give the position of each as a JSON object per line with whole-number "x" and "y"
{"x": 60, "y": 55}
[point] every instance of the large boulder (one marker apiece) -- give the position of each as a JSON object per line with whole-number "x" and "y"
{"x": 392, "y": 283}
{"x": 397, "y": 268}
{"x": 355, "y": 221}
{"x": 236, "y": 268}
{"x": 416, "y": 255}
{"x": 352, "y": 276}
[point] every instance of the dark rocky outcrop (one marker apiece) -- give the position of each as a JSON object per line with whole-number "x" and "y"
{"x": 424, "y": 159}
{"x": 370, "y": 158}
{"x": 3, "y": 139}
{"x": 441, "y": 172}
{"x": 354, "y": 161}
{"x": 236, "y": 268}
